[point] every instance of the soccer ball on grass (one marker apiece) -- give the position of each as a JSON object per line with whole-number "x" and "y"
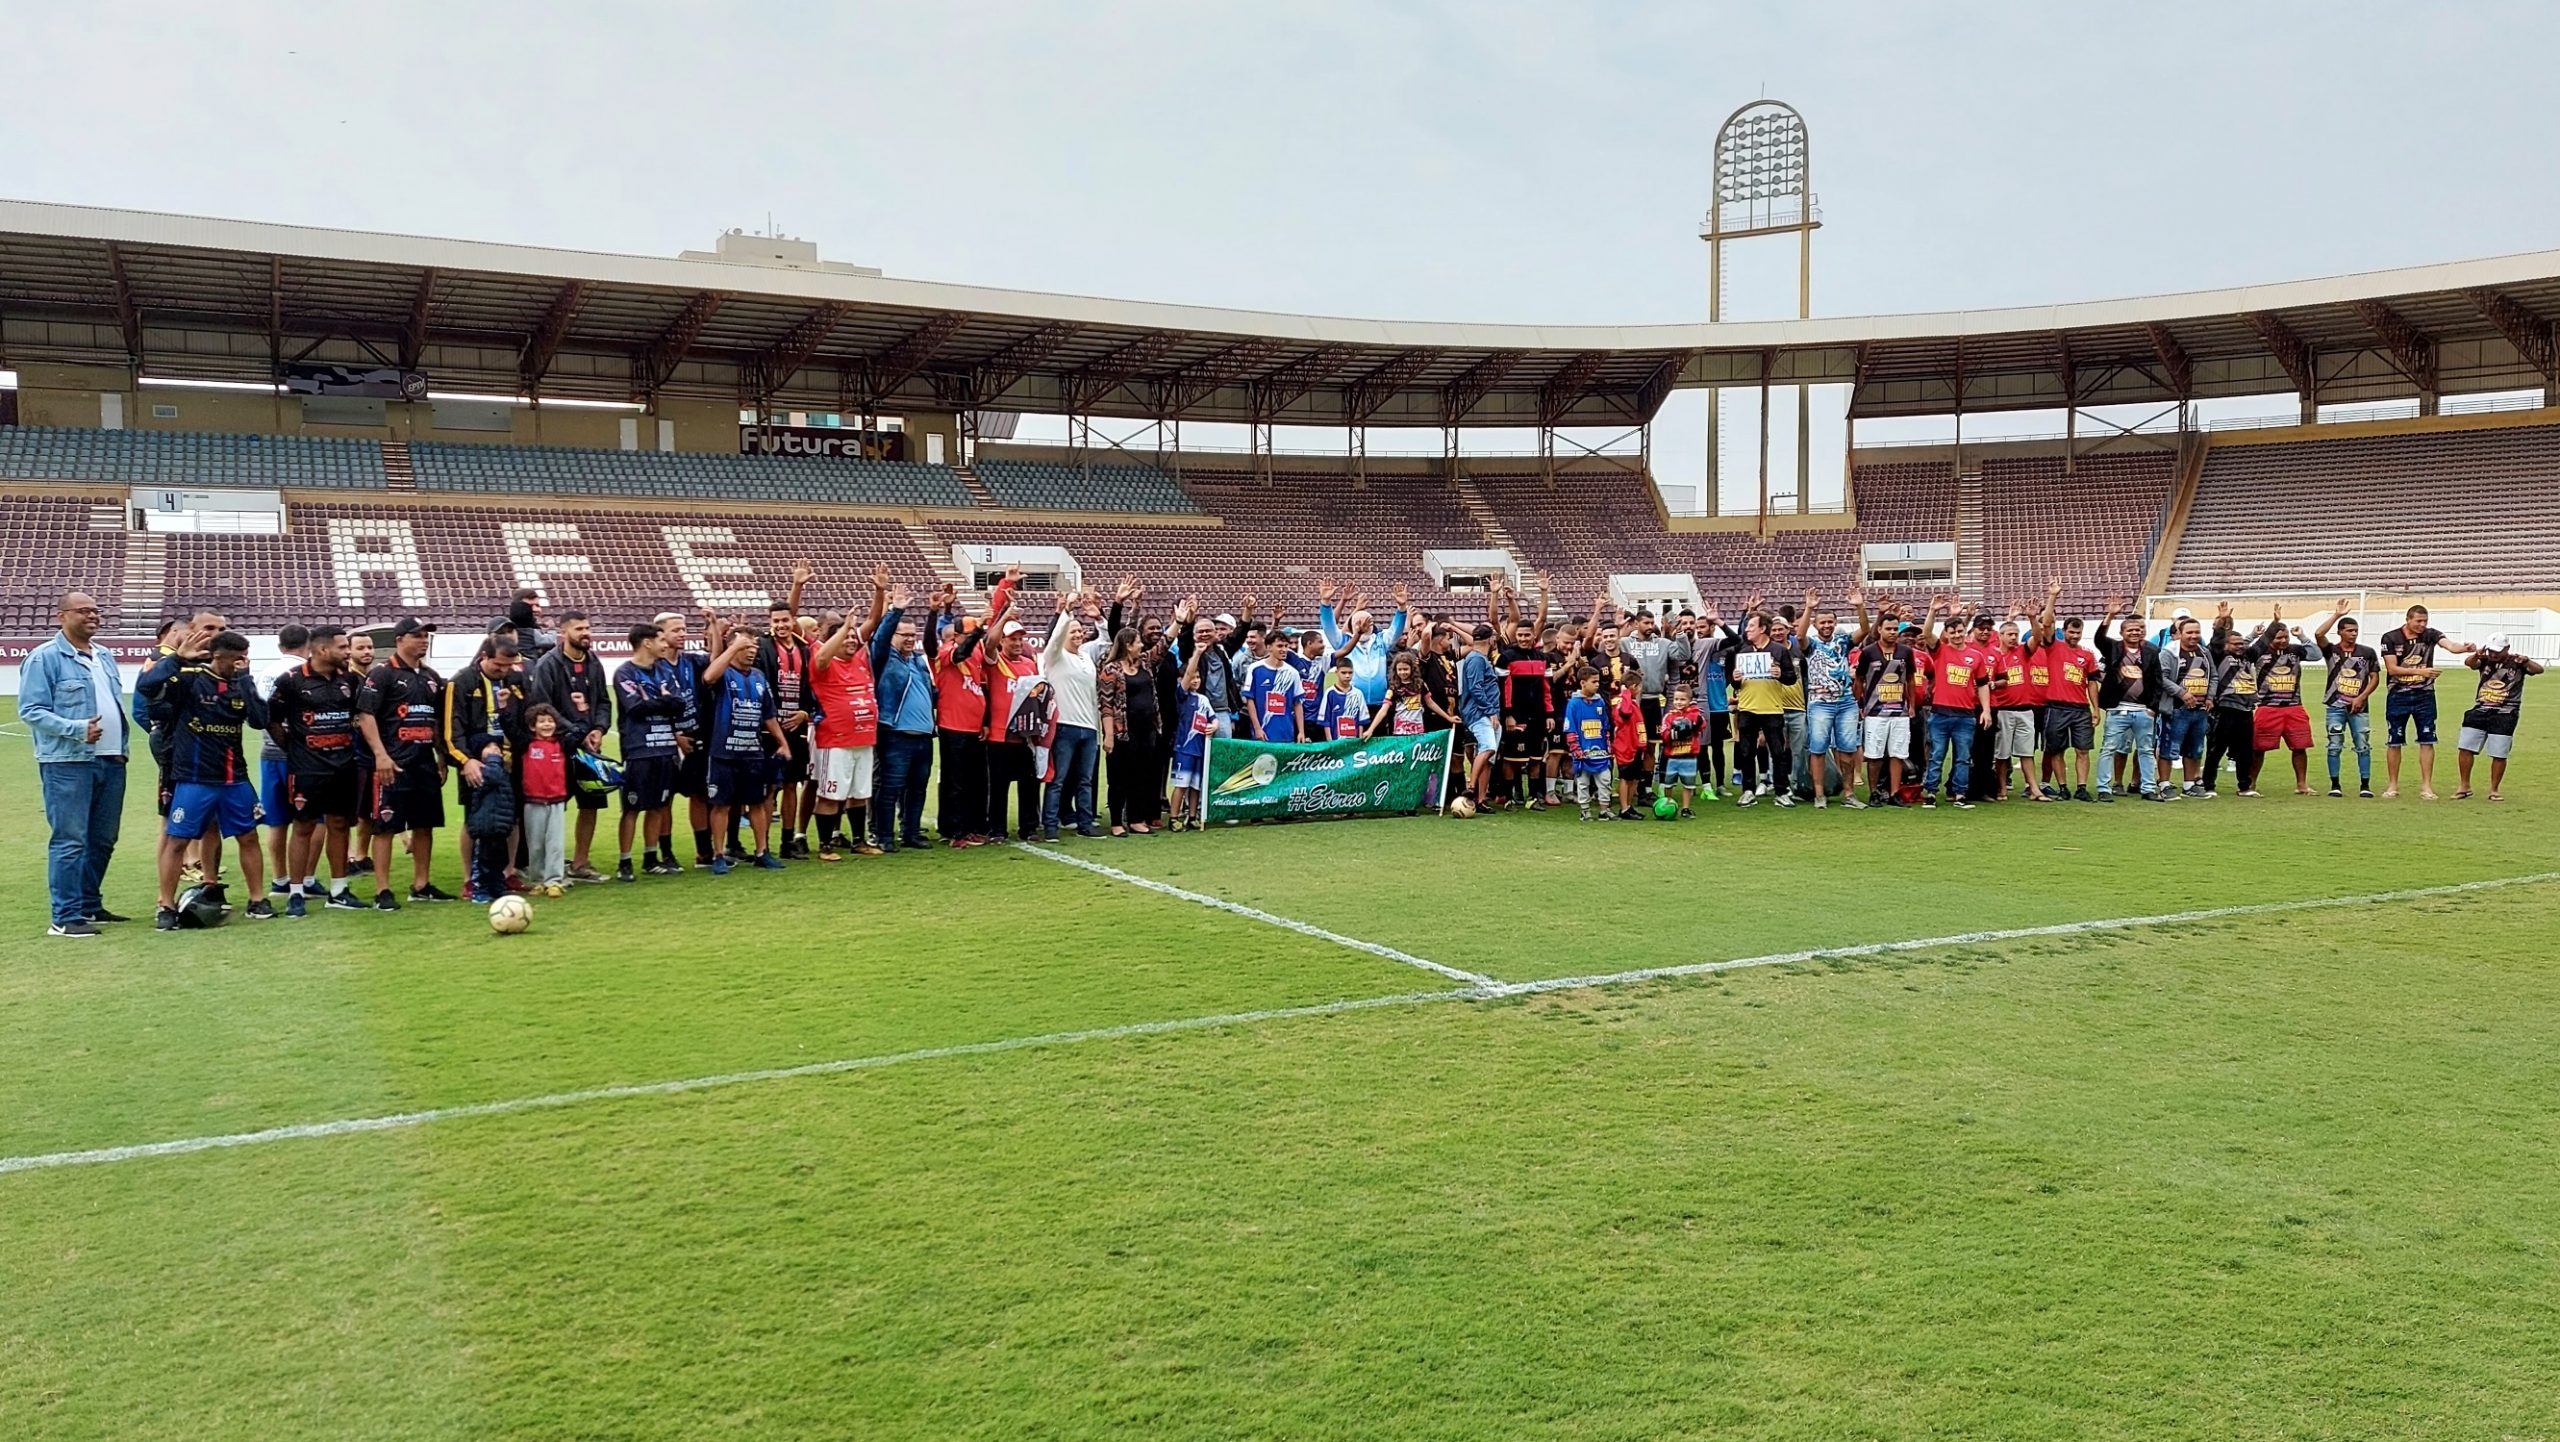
{"x": 509, "y": 915}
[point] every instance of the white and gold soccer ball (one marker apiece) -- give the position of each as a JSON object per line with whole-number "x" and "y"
{"x": 1463, "y": 806}
{"x": 509, "y": 915}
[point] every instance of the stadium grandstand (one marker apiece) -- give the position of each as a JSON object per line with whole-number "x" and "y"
{"x": 293, "y": 423}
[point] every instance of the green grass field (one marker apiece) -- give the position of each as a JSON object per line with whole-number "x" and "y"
{"x": 2281, "y": 1174}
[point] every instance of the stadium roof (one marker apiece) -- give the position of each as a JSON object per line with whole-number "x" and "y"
{"x": 186, "y": 296}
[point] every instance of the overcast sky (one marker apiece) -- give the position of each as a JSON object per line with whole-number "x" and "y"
{"x": 1476, "y": 161}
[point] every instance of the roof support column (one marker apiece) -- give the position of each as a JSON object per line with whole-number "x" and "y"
{"x": 1764, "y": 444}
{"x": 1356, "y": 451}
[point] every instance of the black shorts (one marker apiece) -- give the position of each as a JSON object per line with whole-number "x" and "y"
{"x": 691, "y": 782}
{"x": 648, "y": 783}
{"x": 407, "y": 801}
{"x": 1526, "y": 744}
{"x": 2068, "y": 728}
{"x": 743, "y": 782}
{"x": 1652, "y": 707}
{"x": 324, "y": 795}
{"x": 791, "y": 764}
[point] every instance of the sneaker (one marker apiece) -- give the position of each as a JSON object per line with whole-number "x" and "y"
{"x": 767, "y": 861}
{"x": 2106, "y": 796}
{"x": 553, "y": 890}
{"x": 2365, "y": 791}
{"x": 665, "y": 868}
{"x": 865, "y": 848}
{"x": 1089, "y": 832}
{"x": 71, "y": 928}
{"x": 279, "y": 888}
{"x": 1605, "y": 815}
{"x": 1050, "y": 834}
{"x": 2336, "y": 790}
{"x": 1821, "y": 803}
{"x": 623, "y": 871}
{"x": 104, "y": 917}
{"x": 295, "y": 907}
{"x": 1929, "y": 802}
{"x": 1630, "y": 814}
{"x": 1586, "y": 813}
{"x": 360, "y": 866}
{"x": 1686, "y": 813}
{"x": 1746, "y": 798}
{"x": 262, "y": 910}
{"x": 165, "y": 919}
{"x": 382, "y": 901}
{"x": 342, "y": 901}
{"x": 1784, "y": 798}
{"x": 580, "y": 871}
{"x": 1963, "y": 805}
{"x": 721, "y": 865}
{"x": 1853, "y": 803}
{"x": 429, "y": 892}
{"x": 828, "y": 853}
{"x": 1710, "y": 793}
{"x": 2082, "y": 794}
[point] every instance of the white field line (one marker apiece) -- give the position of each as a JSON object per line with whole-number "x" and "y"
{"x": 1488, "y": 990}
{"x": 398, "y": 1120}
{"x": 1253, "y": 914}
{"x": 2016, "y": 933}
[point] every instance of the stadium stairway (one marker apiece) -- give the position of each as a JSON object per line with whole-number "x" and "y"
{"x": 397, "y": 472}
{"x": 967, "y": 475}
{"x": 932, "y": 548}
{"x": 1969, "y": 531}
{"x": 146, "y": 582}
{"x": 1473, "y": 503}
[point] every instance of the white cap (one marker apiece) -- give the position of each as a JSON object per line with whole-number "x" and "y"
{"x": 2497, "y": 641}
{"x": 1227, "y": 619}
{"x": 2182, "y": 614}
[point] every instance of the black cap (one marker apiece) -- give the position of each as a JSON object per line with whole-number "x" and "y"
{"x": 411, "y": 626}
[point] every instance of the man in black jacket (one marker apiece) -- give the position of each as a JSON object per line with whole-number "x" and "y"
{"x": 483, "y": 734}
{"x": 2129, "y": 691}
{"x": 570, "y": 678}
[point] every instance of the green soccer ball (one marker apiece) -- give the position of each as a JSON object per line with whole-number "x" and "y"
{"x": 1664, "y": 808}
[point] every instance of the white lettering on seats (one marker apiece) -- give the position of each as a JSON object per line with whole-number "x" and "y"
{"x": 698, "y": 569}
{"x": 360, "y": 548}
{"x": 532, "y": 565}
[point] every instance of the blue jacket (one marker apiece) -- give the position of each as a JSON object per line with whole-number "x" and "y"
{"x": 904, "y": 684}
{"x": 55, "y": 701}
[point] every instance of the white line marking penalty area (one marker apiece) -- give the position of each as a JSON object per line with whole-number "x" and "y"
{"x": 1217, "y": 903}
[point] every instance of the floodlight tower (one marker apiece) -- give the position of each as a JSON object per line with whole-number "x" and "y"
{"x": 1762, "y": 184}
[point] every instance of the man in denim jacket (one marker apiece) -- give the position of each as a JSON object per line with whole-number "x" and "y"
{"x": 71, "y": 697}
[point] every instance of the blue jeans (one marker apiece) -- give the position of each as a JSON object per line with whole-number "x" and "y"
{"x": 897, "y": 798}
{"x": 1950, "y": 734}
{"x": 2183, "y": 733}
{"x": 1070, "y": 798}
{"x": 84, "y": 805}
{"x": 2130, "y": 728}
{"x": 2345, "y": 724}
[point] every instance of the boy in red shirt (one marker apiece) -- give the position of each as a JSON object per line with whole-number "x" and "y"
{"x": 545, "y": 794}
{"x": 1684, "y": 729}
{"x": 1627, "y": 742}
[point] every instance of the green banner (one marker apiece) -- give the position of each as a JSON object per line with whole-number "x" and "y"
{"x": 1271, "y": 781}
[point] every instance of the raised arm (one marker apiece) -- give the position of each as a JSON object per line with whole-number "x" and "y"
{"x": 801, "y": 575}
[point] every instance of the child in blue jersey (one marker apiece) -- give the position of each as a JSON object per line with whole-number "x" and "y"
{"x": 1341, "y": 712}
{"x": 1586, "y": 737}
{"x": 1271, "y": 691}
{"x": 1197, "y": 721}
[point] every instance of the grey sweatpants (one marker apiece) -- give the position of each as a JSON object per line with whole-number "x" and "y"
{"x": 543, "y": 834}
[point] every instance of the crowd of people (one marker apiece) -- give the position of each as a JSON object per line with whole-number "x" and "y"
{"x": 820, "y": 736}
